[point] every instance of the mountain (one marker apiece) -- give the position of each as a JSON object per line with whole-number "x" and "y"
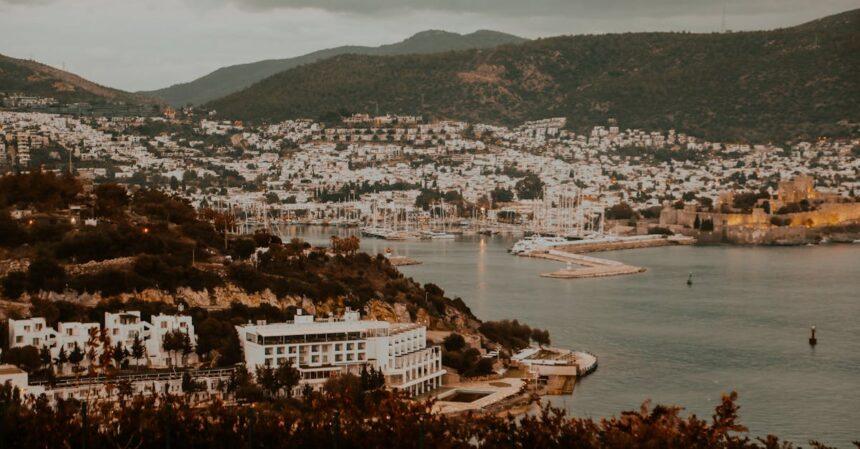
{"x": 227, "y": 80}
{"x": 37, "y": 79}
{"x": 779, "y": 84}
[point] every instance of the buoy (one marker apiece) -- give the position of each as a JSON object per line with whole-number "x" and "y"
{"x": 812, "y": 340}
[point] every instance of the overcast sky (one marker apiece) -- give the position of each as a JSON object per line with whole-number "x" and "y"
{"x": 148, "y": 44}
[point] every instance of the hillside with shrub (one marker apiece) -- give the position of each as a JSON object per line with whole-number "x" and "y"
{"x": 798, "y": 82}
{"x": 228, "y": 80}
{"x": 28, "y": 77}
{"x": 70, "y": 253}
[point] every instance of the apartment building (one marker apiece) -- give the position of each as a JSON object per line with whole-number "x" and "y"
{"x": 323, "y": 348}
{"x": 121, "y": 327}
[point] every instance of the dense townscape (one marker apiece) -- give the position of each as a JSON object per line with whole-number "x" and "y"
{"x": 305, "y": 168}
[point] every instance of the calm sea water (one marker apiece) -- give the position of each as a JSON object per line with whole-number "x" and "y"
{"x": 742, "y": 326}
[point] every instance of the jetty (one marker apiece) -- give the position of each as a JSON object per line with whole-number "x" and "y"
{"x": 581, "y": 266}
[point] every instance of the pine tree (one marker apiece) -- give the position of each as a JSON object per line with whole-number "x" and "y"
{"x": 138, "y": 350}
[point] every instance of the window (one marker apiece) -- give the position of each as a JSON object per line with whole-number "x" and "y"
{"x": 164, "y": 324}
{"x": 70, "y": 332}
{"x": 315, "y": 359}
{"x": 35, "y": 342}
{"x": 19, "y": 339}
{"x": 349, "y": 357}
{"x": 268, "y": 351}
{"x": 281, "y": 350}
{"x": 338, "y": 357}
{"x": 361, "y": 345}
{"x": 292, "y": 349}
{"x": 349, "y": 346}
{"x": 338, "y": 347}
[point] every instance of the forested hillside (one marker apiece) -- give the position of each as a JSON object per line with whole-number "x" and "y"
{"x": 768, "y": 85}
{"x": 227, "y": 80}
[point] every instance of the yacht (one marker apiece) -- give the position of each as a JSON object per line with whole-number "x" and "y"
{"x": 536, "y": 243}
{"x": 436, "y": 235}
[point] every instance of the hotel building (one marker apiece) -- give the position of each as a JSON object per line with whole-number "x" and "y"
{"x": 323, "y": 348}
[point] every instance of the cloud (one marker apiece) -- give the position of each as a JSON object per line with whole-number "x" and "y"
{"x": 545, "y": 8}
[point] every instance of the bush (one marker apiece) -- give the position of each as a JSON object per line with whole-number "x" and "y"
{"x": 510, "y": 334}
{"x": 454, "y": 342}
{"x": 15, "y": 284}
{"x": 25, "y": 357}
{"x": 620, "y": 211}
{"x": 658, "y": 230}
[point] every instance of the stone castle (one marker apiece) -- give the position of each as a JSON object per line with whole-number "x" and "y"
{"x": 797, "y": 214}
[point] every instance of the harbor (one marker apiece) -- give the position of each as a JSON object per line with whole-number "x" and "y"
{"x": 743, "y": 326}
{"x": 580, "y": 266}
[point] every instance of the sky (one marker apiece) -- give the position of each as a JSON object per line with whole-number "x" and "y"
{"x": 149, "y": 44}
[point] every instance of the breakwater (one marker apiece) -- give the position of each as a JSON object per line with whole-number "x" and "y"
{"x": 585, "y": 266}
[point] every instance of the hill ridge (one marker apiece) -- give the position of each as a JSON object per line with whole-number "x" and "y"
{"x": 230, "y": 79}
{"x": 752, "y": 85}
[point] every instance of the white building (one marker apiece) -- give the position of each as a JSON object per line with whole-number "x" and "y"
{"x": 122, "y": 327}
{"x": 161, "y": 326}
{"x": 29, "y": 332}
{"x": 320, "y": 349}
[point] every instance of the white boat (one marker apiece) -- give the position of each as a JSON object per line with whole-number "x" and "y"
{"x": 536, "y": 243}
{"x": 437, "y": 235}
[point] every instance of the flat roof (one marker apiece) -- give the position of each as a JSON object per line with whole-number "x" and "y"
{"x": 10, "y": 369}
{"x": 316, "y": 327}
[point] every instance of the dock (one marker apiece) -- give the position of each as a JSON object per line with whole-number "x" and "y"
{"x": 585, "y": 266}
{"x": 402, "y": 261}
{"x": 616, "y": 243}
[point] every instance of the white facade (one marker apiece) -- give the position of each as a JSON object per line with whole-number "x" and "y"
{"x": 29, "y": 332}
{"x": 326, "y": 348}
{"x": 122, "y": 327}
{"x": 161, "y": 326}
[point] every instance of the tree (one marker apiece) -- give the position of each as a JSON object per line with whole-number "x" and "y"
{"x": 189, "y": 385}
{"x": 76, "y": 356}
{"x": 172, "y": 342}
{"x": 138, "y": 350}
{"x": 267, "y": 380}
{"x": 540, "y": 337}
{"x": 119, "y": 354}
{"x": 620, "y": 211}
{"x": 454, "y": 342}
{"x": 530, "y": 187}
{"x": 15, "y": 284}
{"x": 45, "y": 356}
{"x": 186, "y": 347}
{"x": 46, "y": 274}
{"x": 371, "y": 379}
{"x": 288, "y": 377}
{"x": 111, "y": 200}
{"x": 501, "y": 195}
{"x": 25, "y": 357}
{"x": 62, "y": 358}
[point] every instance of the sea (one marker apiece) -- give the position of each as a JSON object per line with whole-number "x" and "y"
{"x": 743, "y": 325}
